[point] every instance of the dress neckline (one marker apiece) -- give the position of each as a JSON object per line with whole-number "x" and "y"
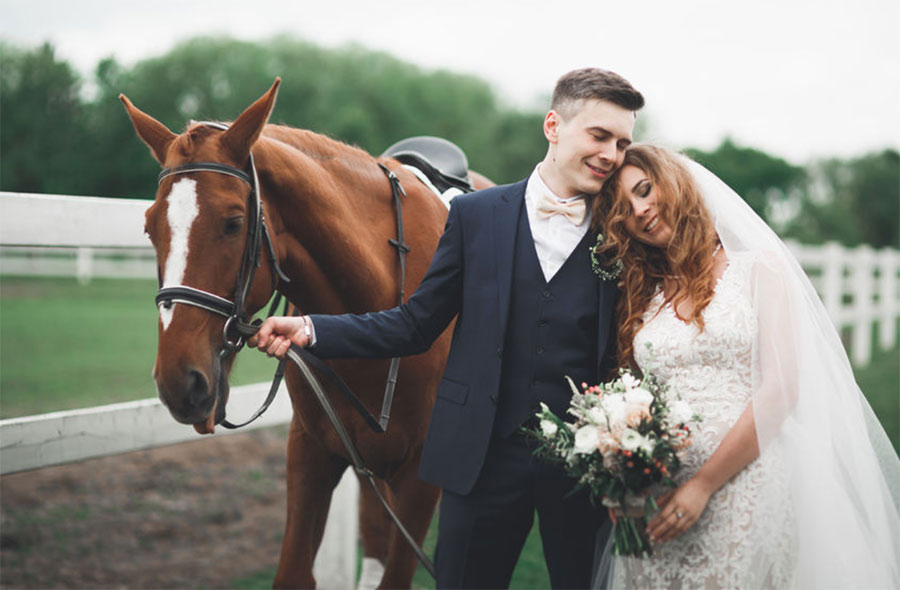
{"x": 668, "y": 304}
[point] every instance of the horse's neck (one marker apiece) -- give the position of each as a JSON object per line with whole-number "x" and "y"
{"x": 330, "y": 210}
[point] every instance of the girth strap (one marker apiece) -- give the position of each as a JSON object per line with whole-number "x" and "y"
{"x": 403, "y": 249}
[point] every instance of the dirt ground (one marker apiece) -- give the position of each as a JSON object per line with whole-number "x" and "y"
{"x": 195, "y": 515}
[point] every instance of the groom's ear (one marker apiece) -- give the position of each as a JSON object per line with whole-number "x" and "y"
{"x": 551, "y": 126}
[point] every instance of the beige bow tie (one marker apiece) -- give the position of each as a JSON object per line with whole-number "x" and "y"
{"x": 573, "y": 210}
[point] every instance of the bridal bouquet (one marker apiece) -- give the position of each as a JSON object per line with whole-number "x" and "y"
{"x": 627, "y": 440}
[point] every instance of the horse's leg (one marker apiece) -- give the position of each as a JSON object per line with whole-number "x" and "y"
{"x": 312, "y": 474}
{"x": 375, "y": 529}
{"x": 414, "y": 505}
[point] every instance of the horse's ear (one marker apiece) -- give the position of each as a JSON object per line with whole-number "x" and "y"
{"x": 245, "y": 130}
{"x": 156, "y": 135}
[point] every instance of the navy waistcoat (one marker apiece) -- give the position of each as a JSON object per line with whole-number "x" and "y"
{"x": 551, "y": 333}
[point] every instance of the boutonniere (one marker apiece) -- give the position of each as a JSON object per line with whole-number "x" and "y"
{"x": 604, "y": 270}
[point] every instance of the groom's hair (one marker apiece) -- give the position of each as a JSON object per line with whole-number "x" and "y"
{"x": 594, "y": 84}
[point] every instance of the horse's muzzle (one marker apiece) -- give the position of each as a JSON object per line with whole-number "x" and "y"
{"x": 194, "y": 398}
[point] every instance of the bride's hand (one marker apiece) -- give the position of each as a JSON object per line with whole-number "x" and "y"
{"x": 679, "y": 509}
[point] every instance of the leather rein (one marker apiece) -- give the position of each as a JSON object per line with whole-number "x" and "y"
{"x": 238, "y": 327}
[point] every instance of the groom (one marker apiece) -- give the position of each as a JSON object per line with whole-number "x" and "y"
{"x": 513, "y": 267}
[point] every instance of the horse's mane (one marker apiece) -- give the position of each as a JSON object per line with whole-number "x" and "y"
{"x": 314, "y": 145}
{"x": 289, "y": 148}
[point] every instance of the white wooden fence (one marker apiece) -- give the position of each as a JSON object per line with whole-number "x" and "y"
{"x": 88, "y": 236}
{"x": 860, "y": 288}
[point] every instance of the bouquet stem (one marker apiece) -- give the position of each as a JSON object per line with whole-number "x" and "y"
{"x": 629, "y": 539}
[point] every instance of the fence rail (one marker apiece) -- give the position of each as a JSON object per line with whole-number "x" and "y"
{"x": 84, "y": 263}
{"x": 50, "y": 439}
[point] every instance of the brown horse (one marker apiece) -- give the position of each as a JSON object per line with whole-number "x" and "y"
{"x": 329, "y": 210}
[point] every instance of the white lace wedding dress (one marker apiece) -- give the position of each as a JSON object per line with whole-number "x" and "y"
{"x": 744, "y": 538}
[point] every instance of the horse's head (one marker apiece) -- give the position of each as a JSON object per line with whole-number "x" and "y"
{"x": 201, "y": 225}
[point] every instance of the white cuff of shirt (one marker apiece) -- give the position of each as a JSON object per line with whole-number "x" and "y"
{"x": 310, "y": 331}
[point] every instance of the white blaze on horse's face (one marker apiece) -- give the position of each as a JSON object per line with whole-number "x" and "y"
{"x": 181, "y": 213}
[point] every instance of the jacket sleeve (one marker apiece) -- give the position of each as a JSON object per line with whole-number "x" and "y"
{"x": 407, "y": 329}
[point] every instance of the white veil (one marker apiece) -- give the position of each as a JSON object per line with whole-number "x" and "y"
{"x": 842, "y": 472}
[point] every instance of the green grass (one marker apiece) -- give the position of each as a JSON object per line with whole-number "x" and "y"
{"x": 63, "y": 345}
{"x": 880, "y": 381}
{"x": 530, "y": 572}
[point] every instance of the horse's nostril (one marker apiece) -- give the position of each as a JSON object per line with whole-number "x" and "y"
{"x": 198, "y": 388}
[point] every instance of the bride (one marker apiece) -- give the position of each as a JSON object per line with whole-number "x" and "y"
{"x": 791, "y": 481}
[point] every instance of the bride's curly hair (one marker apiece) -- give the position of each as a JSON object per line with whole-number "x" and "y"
{"x": 688, "y": 256}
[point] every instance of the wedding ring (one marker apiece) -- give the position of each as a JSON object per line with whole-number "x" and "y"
{"x": 678, "y": 515}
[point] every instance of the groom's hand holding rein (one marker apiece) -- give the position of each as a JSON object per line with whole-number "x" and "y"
{"x": 276, "y": 335}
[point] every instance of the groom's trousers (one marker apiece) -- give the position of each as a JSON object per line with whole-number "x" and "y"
{"x": 481, "y": 534}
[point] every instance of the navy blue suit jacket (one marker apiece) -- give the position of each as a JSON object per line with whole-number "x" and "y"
{"x": 470, "y": 277}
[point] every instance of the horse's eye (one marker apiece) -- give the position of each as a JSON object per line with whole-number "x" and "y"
{"x": 233, "y": 225}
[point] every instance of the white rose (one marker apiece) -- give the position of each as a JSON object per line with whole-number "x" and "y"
{"x": 631, "y": 440}
{"x": 648, "y": 446}
{"x": 614, "y": 405}
{"x": 639, "y": 396}
{"x": 680, "y": 412}
{"x": 598, "y": 416}
{"x": 629, "y": 381}
{"x": 549, "y": 428}
{"x": 586, "y": 439}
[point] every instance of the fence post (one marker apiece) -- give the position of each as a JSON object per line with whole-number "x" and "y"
{"x": 84, "y": 264}
{"x": 861, "y": 285}
{"x": 335, "y": 564}
{"x": 833, "y": 281}
{"x": 888, "y": 263}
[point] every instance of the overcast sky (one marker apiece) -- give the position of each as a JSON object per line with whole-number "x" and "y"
{"x": 797, "y": 78}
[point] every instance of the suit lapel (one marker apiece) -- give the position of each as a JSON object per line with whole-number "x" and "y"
{"x": 506, "y": 220}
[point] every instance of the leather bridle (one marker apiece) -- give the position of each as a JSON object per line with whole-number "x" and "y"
{"x": 237, "y": 325}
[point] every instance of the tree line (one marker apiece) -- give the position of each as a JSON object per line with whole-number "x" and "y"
{"x": 63, "y": 134}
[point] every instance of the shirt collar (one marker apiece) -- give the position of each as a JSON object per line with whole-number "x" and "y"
{"x": 536, "y": 185}
{"x": 542, "y": 186}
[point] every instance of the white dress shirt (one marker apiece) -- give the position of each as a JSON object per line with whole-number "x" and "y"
{"x": 555, "y": 237}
